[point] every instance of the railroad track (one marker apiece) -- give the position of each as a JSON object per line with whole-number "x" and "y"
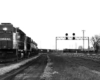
{"x": 10, "y": 75}
{"x": 4, "y": 64}
{"x": 73, "y": 66}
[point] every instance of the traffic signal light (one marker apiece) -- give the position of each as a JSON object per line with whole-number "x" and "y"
{"x": 66, "y": 36}
{"x": 73, "y": 36}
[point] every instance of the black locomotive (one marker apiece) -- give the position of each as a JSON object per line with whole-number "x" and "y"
{"x": 15, "y": 44}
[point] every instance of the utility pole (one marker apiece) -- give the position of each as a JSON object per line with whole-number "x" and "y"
{"x": 83, "y": 39}
{"x": 56, "y": 43}
{"x": 88, "y": 45}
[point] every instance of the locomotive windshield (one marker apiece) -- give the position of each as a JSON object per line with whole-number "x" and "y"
{"x": 6, "y": 36}
{"x": 6, "y": 27}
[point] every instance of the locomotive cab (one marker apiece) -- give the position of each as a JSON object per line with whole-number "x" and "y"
{"x": 6, "y": 39}
{"x": 6, "y": 36}
{"x": 11, "y": 41}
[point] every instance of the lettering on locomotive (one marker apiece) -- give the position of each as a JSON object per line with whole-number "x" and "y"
{"x": 8, "y": 39}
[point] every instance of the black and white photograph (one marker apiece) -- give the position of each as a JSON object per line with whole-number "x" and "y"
{"x": 49, "y": 39}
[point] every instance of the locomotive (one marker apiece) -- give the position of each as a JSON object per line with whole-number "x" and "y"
{"x": 15, "y": 44}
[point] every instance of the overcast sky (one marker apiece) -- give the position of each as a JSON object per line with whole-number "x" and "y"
{"x": 43, "y": 20}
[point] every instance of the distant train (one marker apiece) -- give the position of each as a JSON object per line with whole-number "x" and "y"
{"x": 15, "y": 44}
{"x": 78, "y": 51}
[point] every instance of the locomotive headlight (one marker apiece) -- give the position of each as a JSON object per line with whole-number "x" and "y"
{"x": 5, "y": 29}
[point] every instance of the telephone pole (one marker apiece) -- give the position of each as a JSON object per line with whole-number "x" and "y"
{"x": 83, "y": 39}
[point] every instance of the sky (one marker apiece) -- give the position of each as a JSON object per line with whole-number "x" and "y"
{"x": 43, "y": 20}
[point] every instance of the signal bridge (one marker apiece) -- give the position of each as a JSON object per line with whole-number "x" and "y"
{"x": 71, "y": 38}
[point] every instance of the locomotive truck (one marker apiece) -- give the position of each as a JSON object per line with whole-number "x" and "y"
{"x": 15, "y": 44}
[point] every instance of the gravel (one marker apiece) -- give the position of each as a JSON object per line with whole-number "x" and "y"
{"x": 11, "y": 67}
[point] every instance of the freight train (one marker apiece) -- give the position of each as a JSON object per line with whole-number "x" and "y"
{"x": 78, "y": 51}
{"x": 15, "y": 44}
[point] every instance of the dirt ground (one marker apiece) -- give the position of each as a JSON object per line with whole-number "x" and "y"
{"x": 61, "y": 68}
{"x": 33, "y": 72}
{"x": 73, "y": 68}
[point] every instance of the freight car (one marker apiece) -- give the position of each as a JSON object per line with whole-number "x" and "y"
{"x": 15, "y": 44}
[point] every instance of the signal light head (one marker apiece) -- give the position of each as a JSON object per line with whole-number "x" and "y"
{"x": 73, "y": 34}
{"x": 66, "y": 38}
{"x": 66, "y": 34}
{"x": 73, "y": 38}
